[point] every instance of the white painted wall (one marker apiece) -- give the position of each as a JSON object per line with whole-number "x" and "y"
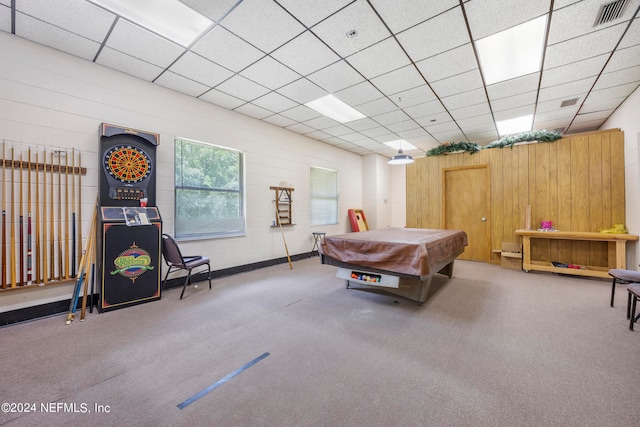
{"x": 54, "y": 100}
{"x": 376, "y": 187}
{"x": 627, "y": 118}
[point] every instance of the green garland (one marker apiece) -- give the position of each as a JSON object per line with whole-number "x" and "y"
{"x": 453, "y": 147}
{"x": 507, "y": 141}
{"x": 534, "y": 135}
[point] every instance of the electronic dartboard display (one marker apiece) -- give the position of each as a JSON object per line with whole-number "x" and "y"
{"x": 128, "y": 166}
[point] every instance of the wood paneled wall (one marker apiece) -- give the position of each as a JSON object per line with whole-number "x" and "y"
{"x": 577, "y": 182}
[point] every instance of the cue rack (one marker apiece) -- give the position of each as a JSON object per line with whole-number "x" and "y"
{"x": 41, "y": 221}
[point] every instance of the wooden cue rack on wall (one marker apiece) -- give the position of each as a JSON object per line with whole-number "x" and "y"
{"x": 41, "y": 223}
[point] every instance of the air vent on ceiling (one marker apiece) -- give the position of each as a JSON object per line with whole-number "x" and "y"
{"x": 568, "y": 102}
{"x": 611, "y": 11}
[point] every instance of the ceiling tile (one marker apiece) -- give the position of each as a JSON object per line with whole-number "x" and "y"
{"x": 242, "y": 88}
{"x": 300, "y": 113}
{"x": 302, "y": 91}
{"x": 632, "y": 36}
{"x": 377, "y": 106}
{"x": 335, "y": 77}
{"x": 181, "y": 84}
{"x": 515, "y": 101}
{"x": 301, "y": 128}
{"x": 256, "y": 22}
{"x": 379, "y": 59}
{"x": 597, "y": 103}
{"x": 459, "y": 83}
{"x": 492, "y": 16}
{"x": 433, "y": 119}
{"x": 470, "y": 111}
{"x": 222, "y": 99}
{"x": 321, "y": 123}
{"x": 583, "y": 15}
{"x": 617, "y": 91}
{"x": 415, "y": 96}
{"x": 566, "y": 91}
{"x": 428, "y": 109}
{"x": 76, "y": 16}
{"x": 398, "y": 80}
{"x": 573, "y": 50}
{"x": 358, "y": 94}
{"x": 362, "y": 124}
{"x": 400, "y": 15}
{"x": 5, "y": 18}
{"x": 618, "y": 78}
{"x": 213, "y": 10}
{"x": 574, "y": 71}
{"x": 624, "y": 58}
{"x": 133, "y": 66}
{"x": 270, "y": 73}
{"x": 357, "y": 16}
{"x": 200, "y": 69}
{"x": 279, "y": 120}
{"x": 52, "y": 36}
{"x": 275, "y": 102}
{"x": 143, "y": 44}
{"x": 290, "y": 54}
{"x": 218, "y": 44}
{"x": 513, "y": 113}
{"x": 253, "y": 111}
{"x": 455, "y": 61}
{"x": 443, "y": 32}
{"x": 514, "y": 86}
{"x": 310, "y": 13}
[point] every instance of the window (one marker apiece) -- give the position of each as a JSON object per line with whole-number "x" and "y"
{"x": 209, "y": 190}
{"x": 324, "y": 196}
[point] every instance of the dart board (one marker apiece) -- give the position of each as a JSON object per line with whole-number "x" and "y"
{"x": 128, "y": 165}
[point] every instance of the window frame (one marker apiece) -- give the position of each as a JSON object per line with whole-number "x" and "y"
{"x": 336, "y": 198}
{"x": 185, "y": 235}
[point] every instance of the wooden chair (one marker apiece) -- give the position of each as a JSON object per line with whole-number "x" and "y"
{"x": 176, "y": 261}
{"x": 623, "y": 277}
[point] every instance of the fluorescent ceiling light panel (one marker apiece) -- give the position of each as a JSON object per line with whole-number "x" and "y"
{"x": 168, "y": 18}
{"x": 401, "y": 144}
{"x": 514, "y": 52}
{"x": 332, "y": 107}
{"x": 517, "y": 125}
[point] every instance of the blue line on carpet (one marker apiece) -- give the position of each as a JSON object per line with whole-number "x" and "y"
{"x": 218, "y": 383}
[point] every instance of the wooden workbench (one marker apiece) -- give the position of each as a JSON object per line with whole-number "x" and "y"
{"x": 616, "y": 241}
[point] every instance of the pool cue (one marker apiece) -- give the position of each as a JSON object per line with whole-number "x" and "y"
{"x": 21, "y": 231}
{"x": 81, "y": 270}
{"x": 3, "y": 261}
{"x": 79, "y": 251}
{"x": 12, "y": 249}
{"x": 45, "y": 260}
{"x": 38, "y": 256}
{"x": 59, "y": 209}
{"x": 52, "y": 264}
{"x": 66, "y": 215}
{"x": 283, "y": 239}
{"x": 90, "y": 274}
{"x": 29, "y": 235}
{"x": 73, "y": 212}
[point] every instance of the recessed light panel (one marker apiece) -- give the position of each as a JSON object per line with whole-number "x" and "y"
{"x": 514, "y": 52}
{"x": 168, "y": 18}
{"x": 332, "y": 107}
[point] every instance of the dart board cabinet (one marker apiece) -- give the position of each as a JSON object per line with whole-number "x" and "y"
{"x": 129, "y": 254}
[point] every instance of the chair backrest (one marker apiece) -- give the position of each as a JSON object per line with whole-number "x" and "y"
{"x": 171, "y": 251}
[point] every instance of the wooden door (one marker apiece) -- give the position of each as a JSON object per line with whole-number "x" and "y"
{"x": 467, "y": 207}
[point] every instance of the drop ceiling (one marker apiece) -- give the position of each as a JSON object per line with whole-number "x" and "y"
{"x": 409, "y": 66}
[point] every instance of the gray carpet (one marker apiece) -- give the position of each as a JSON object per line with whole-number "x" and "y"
{"x": 490, "y": 347}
